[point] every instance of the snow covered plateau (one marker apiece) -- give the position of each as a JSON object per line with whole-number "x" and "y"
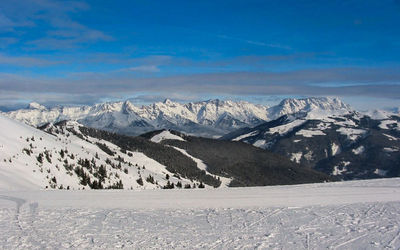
{"x": 341, "y": 215}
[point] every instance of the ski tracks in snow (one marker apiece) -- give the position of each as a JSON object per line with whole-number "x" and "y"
{"x": 22, "y": 223}
{"x": 364, "y": 225}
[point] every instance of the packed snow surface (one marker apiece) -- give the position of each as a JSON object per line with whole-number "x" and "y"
{"x": 342, "y": 215}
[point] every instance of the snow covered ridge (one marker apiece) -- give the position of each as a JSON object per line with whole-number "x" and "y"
{"x": 59, "y": 159}
{"x": 207, "y": 118}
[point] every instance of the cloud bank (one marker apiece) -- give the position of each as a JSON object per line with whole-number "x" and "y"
{"x": 373, "y": 82}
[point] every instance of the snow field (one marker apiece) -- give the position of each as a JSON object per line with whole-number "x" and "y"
{"x": 343, "y": 215}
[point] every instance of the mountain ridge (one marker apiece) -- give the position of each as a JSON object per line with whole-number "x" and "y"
{"x": 211, "y": 118}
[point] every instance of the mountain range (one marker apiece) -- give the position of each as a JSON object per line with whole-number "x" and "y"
{"x": 212, "y": 118}
{"x": 296, "y": 141}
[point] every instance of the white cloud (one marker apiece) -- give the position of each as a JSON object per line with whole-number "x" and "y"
{"x": 143, "y": 68}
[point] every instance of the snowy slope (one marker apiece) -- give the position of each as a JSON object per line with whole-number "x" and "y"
{"x": 207, "y": 118}
{"x": 33, "y": 159}
{"x": 344, "y": 215}
{"x": 201, "y": 165}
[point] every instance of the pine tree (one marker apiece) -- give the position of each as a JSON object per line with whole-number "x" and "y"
{"x": 169, "y": 185}
{"x": 150, "y": 179}
{"x": 102, "y": 173}
{"x": 140, "y": 181}
{"x": 40, "y": 158}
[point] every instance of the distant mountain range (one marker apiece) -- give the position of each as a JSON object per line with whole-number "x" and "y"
{"x": 211, "y": 118}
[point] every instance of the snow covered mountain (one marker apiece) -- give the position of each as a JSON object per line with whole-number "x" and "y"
{"x": 62, "y": 157}
{"x": 349, "y": 145}
{"x": 314, "y": 107}
{"x": 208, "y": 118}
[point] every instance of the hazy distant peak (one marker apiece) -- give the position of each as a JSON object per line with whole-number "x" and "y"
{"x": 35, "y": 105}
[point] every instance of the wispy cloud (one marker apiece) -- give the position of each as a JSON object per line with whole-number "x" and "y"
{"x": 6, "y": 41}
{"x": 55, "y": 20}
{"x": 257, "y": 43}
{"x": 9, "y": 25}
{"x": 143, "y": 68}
{"x": 26, "y": 61}
{"x": 272, "y": 45}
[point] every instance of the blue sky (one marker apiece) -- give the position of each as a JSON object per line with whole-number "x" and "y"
{"x": 84, "y": 52}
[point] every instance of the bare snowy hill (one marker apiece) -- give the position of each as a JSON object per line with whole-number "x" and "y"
{"x": 208, "y": 118}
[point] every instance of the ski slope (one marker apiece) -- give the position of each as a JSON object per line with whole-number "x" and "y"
{"x": 342, "y": 215}
{"x": 22, "y": 145}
